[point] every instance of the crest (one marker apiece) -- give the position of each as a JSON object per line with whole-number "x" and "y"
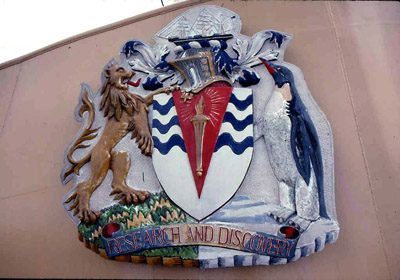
{"x": 205, "y": 146}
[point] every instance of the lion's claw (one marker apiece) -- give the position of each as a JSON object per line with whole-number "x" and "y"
{"x": 186, "y": 96}
{"x": 88, "y": 215}
{"x": 127, "y": 195}
{"x": 146, "y": 144}
{"x": 81, "y": 207}
{"x": 72, "y": 196}
{"x": 172, "y": 89}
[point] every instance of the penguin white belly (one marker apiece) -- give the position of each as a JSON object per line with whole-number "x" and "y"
{"x": 276, "y": 131}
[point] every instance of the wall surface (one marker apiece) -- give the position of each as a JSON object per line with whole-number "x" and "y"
{"x": 349, "y": 55}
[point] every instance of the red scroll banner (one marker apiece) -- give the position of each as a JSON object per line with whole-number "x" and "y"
{"x": 118, "y": 243}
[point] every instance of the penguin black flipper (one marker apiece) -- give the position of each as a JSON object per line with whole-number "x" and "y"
{"x": 316, "y": 160}
{"x": 300, "y": 142}
{"x": 306, "y": 148}
{"x": 315, "y": 155}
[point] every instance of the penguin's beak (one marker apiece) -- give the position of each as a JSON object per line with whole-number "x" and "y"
{"x": 270, "y": 69}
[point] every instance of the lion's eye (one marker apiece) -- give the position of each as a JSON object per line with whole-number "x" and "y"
{"x": 121, "y": 70}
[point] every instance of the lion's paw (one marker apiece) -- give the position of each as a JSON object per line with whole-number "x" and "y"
{"x": 145, "y": 143}
{"x": 127, "y": 195}
{"x": 81, "y": 207}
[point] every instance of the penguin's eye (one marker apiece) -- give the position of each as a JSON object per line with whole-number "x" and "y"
{"x": 280, "y": 69}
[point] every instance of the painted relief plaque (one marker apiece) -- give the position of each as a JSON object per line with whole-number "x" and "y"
{"x": 205, "y": 149}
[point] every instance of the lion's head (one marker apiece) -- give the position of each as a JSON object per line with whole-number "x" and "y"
{"x": 118, "y": 76}
{"x": 116, "y": 97}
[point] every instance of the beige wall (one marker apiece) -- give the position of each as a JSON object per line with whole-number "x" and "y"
{"x": 350, "y": 56}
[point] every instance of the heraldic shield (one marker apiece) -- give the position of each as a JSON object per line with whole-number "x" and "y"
{"x": 203, "y": 147}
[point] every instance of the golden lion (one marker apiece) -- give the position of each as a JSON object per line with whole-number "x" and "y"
{"x": 126, "y": 112}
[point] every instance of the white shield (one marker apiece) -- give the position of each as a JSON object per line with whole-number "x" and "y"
{"x": 229, "y": 163}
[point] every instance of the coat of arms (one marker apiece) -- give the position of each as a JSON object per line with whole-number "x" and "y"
{"x": 205, "y": 149}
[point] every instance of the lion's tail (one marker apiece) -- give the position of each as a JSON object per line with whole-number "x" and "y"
{"x": 86, "y": 134}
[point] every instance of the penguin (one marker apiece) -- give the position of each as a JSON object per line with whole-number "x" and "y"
{"x": 294, "y": 152}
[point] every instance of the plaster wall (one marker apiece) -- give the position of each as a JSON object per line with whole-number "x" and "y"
{"x": 349, "y": 55}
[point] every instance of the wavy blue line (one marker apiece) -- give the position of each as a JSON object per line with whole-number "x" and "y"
{"x": 238, "y": 125}
{"x": 164, "y": 148}
{"x": 241, "y": 105}
{"x": 163, "y": 109}
{"x": 164, "y": 128}
{"x": 225, "y": 139}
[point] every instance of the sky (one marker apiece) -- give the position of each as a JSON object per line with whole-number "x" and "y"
{"x": 29, "y": 25}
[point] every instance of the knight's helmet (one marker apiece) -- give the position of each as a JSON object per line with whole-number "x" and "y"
{"x": 196, "y": 60}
